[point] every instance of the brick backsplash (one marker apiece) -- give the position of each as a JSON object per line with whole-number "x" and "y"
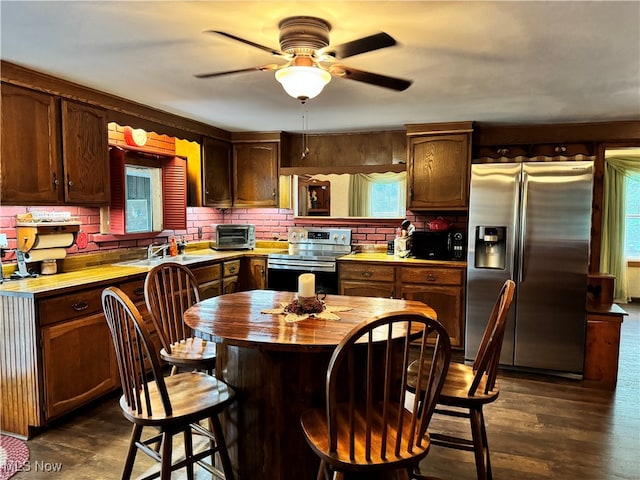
{"x": 270, "y": 223}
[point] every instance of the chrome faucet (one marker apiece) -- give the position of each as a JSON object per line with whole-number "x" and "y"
{"x": 154, "y": 250}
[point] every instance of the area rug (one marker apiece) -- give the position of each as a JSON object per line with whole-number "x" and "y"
{"x": 14, "y": 455}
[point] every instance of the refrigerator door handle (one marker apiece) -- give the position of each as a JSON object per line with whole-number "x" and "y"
{"x": 523, "y": 227}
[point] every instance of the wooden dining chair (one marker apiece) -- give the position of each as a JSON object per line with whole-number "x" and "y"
{"x": 172, "y": 405}
{"x": 169, "y": 290}
{"x": 467, "y": 388}
{"x": 365, "y": 427}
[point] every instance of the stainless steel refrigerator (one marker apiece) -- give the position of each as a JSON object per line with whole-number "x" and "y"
{"x": 531, "y": 222}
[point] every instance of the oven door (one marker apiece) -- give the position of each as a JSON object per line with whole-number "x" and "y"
{"x": 286, "y": 279}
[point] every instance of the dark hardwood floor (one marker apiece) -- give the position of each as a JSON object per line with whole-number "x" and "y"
{"x": 540, "y": 428}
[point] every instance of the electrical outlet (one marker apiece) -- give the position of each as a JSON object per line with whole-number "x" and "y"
{"x": 3, "y": 240}
{"x": 199, "y": 233}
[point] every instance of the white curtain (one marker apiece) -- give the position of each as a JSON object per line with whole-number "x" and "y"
{"x": 613, "y": 260}
{"x": 360, "y": 190}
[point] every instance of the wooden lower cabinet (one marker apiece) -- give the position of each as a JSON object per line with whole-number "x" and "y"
{"x": 80, "y": 363}
{"x": 230, "y": 276}
{"x": 209, "y": 280}
{"x": 58, "y": 346}
{"x": 446, "y": 301}
{"x": 366, "y": 279}
{"x": 439, "y": 287}
{"x": 366, "y": 289}
{"x": 253, "y": 273}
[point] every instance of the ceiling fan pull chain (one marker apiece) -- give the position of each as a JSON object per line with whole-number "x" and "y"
{"x": 305, "y": 128}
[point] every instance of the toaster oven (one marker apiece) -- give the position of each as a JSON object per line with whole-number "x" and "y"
{"x": 233, "y": 237}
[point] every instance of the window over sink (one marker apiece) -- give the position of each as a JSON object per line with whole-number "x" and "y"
{"x": 148, "y": 192}
{"x": 143, "y": 199}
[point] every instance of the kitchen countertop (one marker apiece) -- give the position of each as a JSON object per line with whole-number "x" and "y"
{"x": 383, "y": 257}
{"x": 44, "y": 285}
{"x": 106, "y": 273}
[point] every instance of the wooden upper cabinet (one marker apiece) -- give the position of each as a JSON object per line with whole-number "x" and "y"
{"x": 216, "y": 175}
{"x": 30, "y": 164}
{"x": 439, "y": 166}
{"x": 85, "y": 154}
{"x": 53, "y": 150}
{"x": 255, "y": 174}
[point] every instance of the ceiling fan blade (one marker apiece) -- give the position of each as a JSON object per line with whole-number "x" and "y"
{"x": 385, "y": 81}
{"x": 261, "y": 68}
{"x": 270, "y": 50}
{"x": 361, "y": 45}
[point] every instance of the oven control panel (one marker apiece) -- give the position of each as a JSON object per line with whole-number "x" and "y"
{"x": 320, "y": 236}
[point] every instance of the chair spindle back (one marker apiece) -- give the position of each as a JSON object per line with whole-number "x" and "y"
{"x": 379, "y": 426}
{"x": 488, "y": 357}
{"x": 135, "y": 353}
{"x": 169, "y": 290}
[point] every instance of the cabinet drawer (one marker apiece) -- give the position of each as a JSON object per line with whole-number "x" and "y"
{"x": 440, "y": 276}
{"x": 367, "y": 271}
{"x": 71, "y": 305}
{"x": 207, "y": 273}
{"x": 231, "y": 268}
{"x": 134, "y": 289}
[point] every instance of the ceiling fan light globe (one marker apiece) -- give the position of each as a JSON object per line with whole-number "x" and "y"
{"x": 303, "y": 82}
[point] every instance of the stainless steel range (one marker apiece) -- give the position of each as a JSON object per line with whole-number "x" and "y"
{"x": 312, "y": 250}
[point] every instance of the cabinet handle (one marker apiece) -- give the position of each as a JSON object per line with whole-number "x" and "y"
{"x": 139, "y": 291}
{"x": 431, "y": 277}
{"x": 69, "y": 182}
{"x": 233, "y": 269}
{"x": 56, "y": 182}
{"x": 80, "y": 306}
{"x": 502, "y": 151}
{"x": 367, "y": 274}
{"x": 274, "y": 193}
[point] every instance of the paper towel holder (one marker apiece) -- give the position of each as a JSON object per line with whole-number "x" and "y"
{"x": 30, "y": 234}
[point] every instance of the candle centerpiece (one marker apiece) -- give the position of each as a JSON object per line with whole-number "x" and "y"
{"x": 306, "y": 302}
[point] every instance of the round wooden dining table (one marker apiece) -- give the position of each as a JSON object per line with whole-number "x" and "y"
{"x": 278, "y": 370}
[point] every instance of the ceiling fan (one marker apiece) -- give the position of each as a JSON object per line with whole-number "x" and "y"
{"x": 311, "y": 61}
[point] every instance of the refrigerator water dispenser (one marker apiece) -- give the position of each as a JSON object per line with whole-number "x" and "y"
{"x": 490, "y": 247}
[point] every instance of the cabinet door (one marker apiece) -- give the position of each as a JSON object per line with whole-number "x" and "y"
{"x": 216, "y": 175}
{"x": 253, "y": 273}
{"x": 367, "y": 289}
{"x": 209, "y": 280}
{"x": 85, "y": 154}
{"x": 210, "y": 289}
{"x": 230, "y": 284}
{"x": 446, "y": 301}
{"x": 438, "y": 172}
{"x": 79, "y": 363}
{"x": 30, "y": 163}
{"x": 255, "y": 174}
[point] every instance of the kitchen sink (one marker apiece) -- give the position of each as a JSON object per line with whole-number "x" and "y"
{"x": 181, "y": 259}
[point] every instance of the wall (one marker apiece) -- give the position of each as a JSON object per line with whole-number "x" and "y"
{"x": 270, "y": 223}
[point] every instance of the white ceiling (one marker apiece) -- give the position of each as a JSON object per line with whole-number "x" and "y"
{"x": 498, "y": 62}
